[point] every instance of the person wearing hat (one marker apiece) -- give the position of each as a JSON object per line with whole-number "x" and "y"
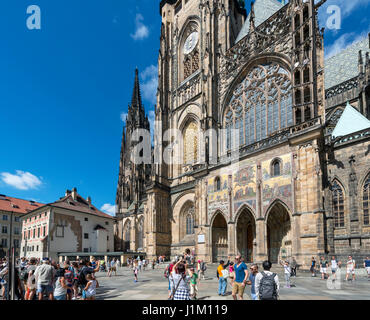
{"x": 45, "y": 278}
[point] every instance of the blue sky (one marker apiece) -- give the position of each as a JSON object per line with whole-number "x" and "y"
{"x": 64, "y": 89}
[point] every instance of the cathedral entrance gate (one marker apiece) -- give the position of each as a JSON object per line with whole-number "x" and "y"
{"x": 245, "y": 235}
{"x": 279, "y": 241}
{"x": 219, "y": 239}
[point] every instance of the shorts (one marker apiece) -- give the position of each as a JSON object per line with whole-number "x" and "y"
{"x": 113, "y": 269}
{"x": 323, "y": 270}
{"x": 333, "y": 270}
{"x": 62, "y": 297}
{"x": 47, "y": 289}
{"x": 193, "y": 289}
{"x": 238, "y": 288}
{"x": 368, "y": 270}
{"x": 351, "y": 271}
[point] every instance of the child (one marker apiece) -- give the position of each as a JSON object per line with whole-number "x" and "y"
{"x": 90, "y": 289}
{"x": 193, "y": 283}
{"x": 287, "y": 272}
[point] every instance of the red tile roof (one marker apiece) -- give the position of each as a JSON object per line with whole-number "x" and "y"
{"x": 80, "y": 204}
{"x": 18, "y": 205}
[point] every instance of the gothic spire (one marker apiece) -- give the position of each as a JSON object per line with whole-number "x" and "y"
{"x": 136, "y": 96}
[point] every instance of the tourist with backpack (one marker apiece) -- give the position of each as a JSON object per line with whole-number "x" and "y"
{"x": 267, "y": 283}
{"x": 167, "y": 273}
{"x": 85, "y": 270}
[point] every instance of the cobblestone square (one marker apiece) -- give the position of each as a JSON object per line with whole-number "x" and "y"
{"x": 153, "y": 286}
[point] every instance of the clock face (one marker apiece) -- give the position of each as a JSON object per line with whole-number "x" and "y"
{"x": 191, "y": 42}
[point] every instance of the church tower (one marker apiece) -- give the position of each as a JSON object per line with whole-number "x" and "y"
{"x": 133, "y": 177}
{"x": 194, "y": 33}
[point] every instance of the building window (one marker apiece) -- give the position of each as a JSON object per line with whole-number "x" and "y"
{"x": 44, "y": 231}
{"x": 276, "y": 168}
{"x": 4, "y": 243}
{"x": 297, "y": 77}
{"x": 305, "y": 13}
{"x": 38, "y": 232}
{"x": 86, "y": 249}
{"x": 191, "y": 143}
{"x": 86, "y": 236}
{"x": 366, "y": 201}
{"x": 306, "y": 75}
{"x": 29, "y": 234}
{"x": 260, "y": 106}
{"x": 189, "y": 224}
{"x": 37, "y": 248}
{"x": 107, "y": 238}
{"x": 86, "y": 219}
{"x": 307, "y": 113}
{"x": 5, "y": 217}
{"x": 60, "y": 232}
{"x": 217, "y": 184}
{"x": 4, "y": 229}
{"x": 16, "y": 230}
{"x": 338, "y": 205}
{"x": 106, "y": 223}
{"x": 297, "y": 21}
{"x": 16, "y": 219}
{"x": 307, "y": 95}
{"x": 34, "y": 233}
{"x": 16, "y": 243}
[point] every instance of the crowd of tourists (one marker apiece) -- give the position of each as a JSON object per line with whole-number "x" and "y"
{"x": 184, "y": 273}
{"x": 43, "y": 279}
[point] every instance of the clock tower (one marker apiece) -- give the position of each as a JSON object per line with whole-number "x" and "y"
{"x": 194, "y": 35}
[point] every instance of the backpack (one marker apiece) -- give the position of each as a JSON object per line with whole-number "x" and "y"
{"x": 203, "y": 267}
{"x": 24, "y": 275}
{"x": 81, "y": 278}
{"x": 267, "y": 288}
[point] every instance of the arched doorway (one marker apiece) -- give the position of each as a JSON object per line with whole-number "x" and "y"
{"x": 279, "y": 240}
{"x": 219, "y": 238}
{"x": 245, "y": 235}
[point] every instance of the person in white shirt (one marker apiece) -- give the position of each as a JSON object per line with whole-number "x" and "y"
{"x": 351, "y": 265}
{"x": 334, "y": 267}
{"x": 262, "y": 279}
{"x": 287, "y": 272}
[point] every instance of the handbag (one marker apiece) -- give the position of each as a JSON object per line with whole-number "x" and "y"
{"x": 225, "y": 273}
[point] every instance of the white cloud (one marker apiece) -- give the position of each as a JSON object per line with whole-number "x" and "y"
{"x": 346, "y": 8}
{"x": 21, "y": 180}
{"x": 109, "y": 209}
{"x": 149, "y": 85}
{"x": 142, "y": 30}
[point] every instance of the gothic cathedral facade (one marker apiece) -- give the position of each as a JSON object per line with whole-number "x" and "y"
{"x": 290, "y": 188}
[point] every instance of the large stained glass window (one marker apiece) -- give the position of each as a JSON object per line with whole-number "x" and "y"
{"x": 191, "y": 143}
{"x": 260, "y": 106}
{"x": 338, "y": 205}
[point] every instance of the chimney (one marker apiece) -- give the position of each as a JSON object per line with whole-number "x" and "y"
{"x": 68, "y": 192}
{"x": 74, "y": 193}
{"x": 89, "y": 199}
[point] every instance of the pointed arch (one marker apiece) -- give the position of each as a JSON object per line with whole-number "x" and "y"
{"x": 338, "y": 203}
{"x": 279, "y": 231}
{"x": 366, "y": 200}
